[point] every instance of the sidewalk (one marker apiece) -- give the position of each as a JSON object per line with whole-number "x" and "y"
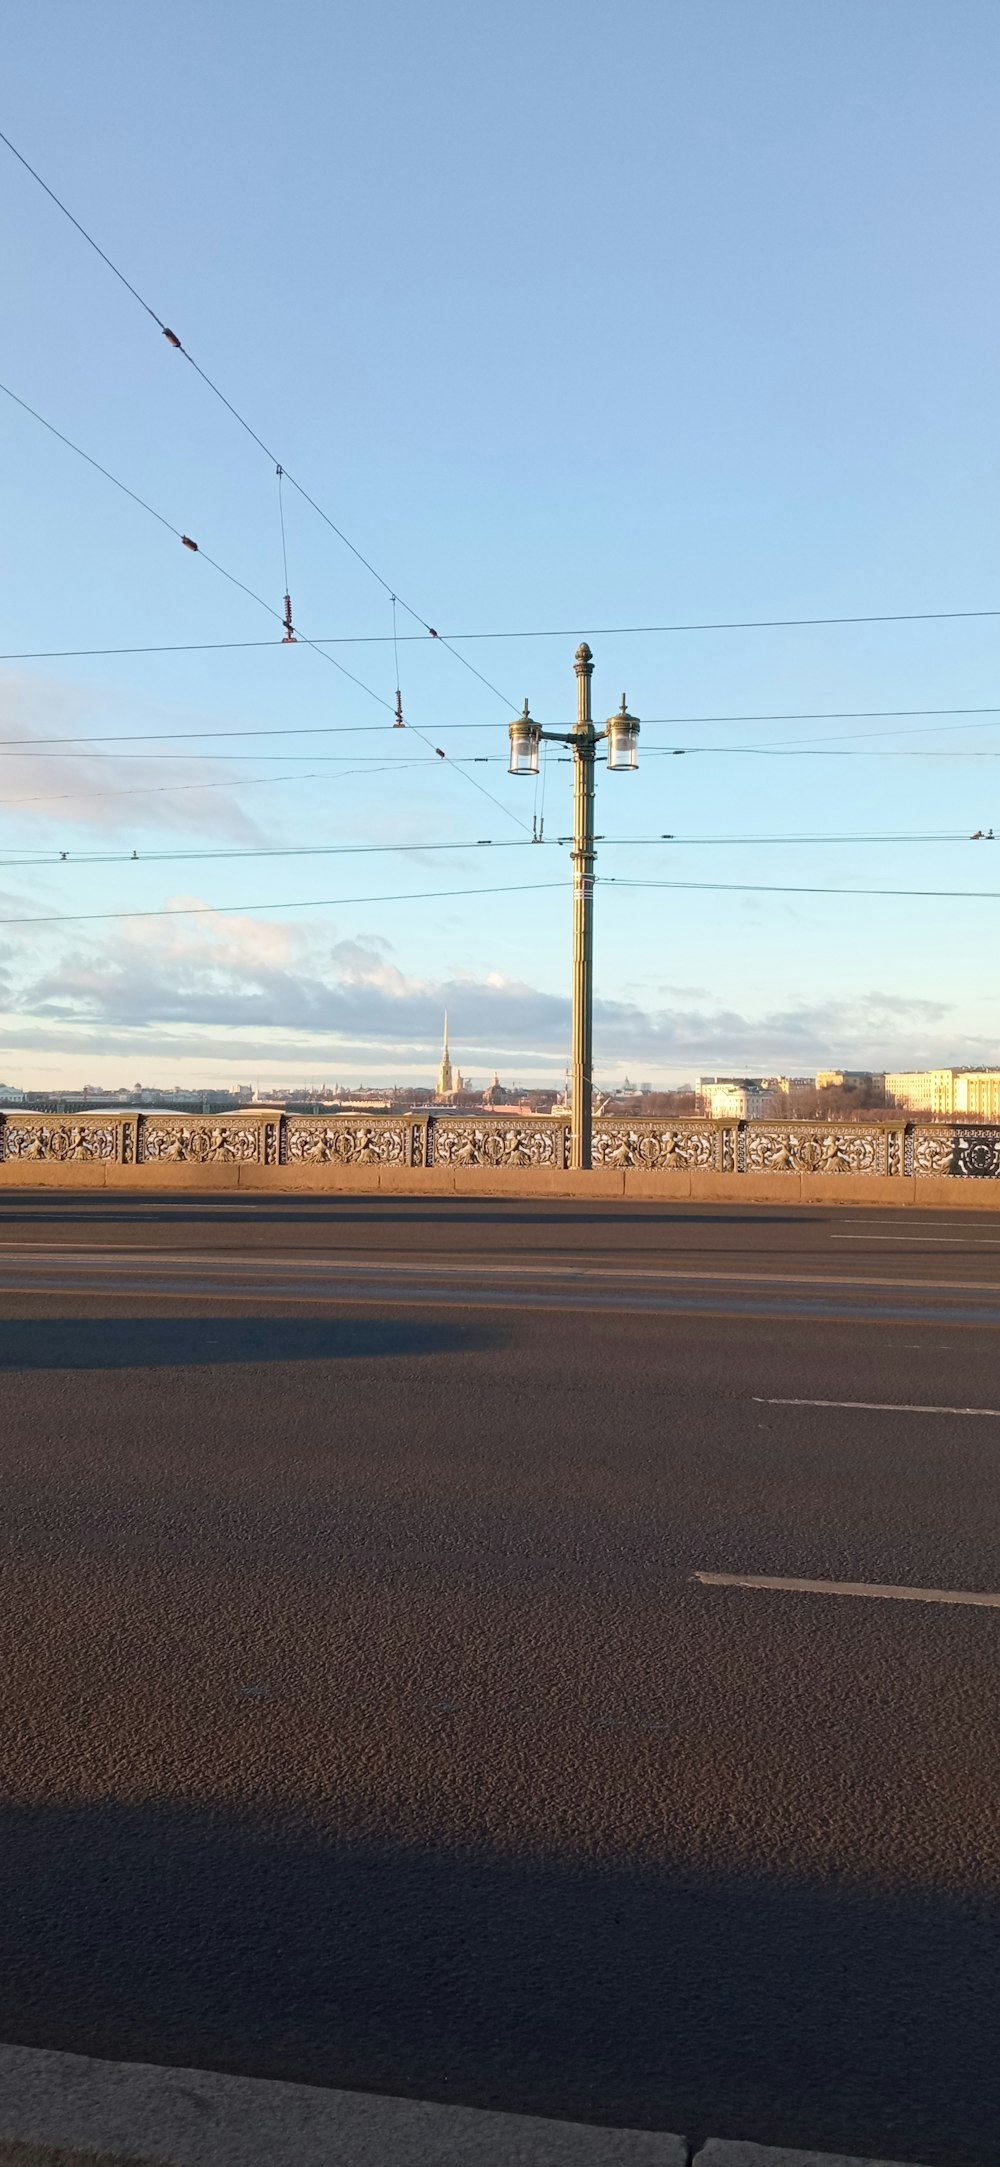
{"x": 66, "y": 2110}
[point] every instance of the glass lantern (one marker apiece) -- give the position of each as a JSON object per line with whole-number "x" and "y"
{"x": 623, "y": 741}
{"x": 525, "y": 738}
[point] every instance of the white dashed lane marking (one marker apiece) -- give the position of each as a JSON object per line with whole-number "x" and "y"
{"x": 773, "y": 1583}
{"x": 880, "y": 1407}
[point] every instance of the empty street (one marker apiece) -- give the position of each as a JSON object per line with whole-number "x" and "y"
{"x": 539, "y": 1656}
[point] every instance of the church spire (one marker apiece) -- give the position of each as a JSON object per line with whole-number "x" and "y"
{"x": 445, "y": 1085}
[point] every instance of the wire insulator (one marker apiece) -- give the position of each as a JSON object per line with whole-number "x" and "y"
{"x": 188, "y": 544}
{"x": 434, "y": 635}
{"x": 441, "y": 755}
{"x": 399, "y": 724}
{"x": 172, "y": 338}
{"x": 288, "y": 639}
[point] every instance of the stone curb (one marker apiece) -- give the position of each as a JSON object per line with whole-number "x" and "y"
{"x": 193, "y": 2118}
{"x": 70, "y": 2110}
{"x": 724, "y": 2152}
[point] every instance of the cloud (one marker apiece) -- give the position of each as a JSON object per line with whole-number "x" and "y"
{"x": 264, "y": 987}
{"x": 109, "y": 789}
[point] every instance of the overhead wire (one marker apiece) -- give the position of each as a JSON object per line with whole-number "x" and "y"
{"x": 151, "y": 790}
{"x": 350, "y": 729}
{"x": 325, "y": 902}
{"x": 232, "y": 853}
{"x": 187, "y": 540}
{"x": 752, "y": 887}
{"x": 433, "y": 895}
{"x": 196, "y": 549}
{"x": 430, "y": 631}
{"x": 218, "y": 393}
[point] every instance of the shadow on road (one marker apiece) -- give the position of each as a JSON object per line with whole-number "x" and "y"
{"x": 94, "y": 1343}
{"x": 861, "y": 2021}
{"x": 313, "y": 1211}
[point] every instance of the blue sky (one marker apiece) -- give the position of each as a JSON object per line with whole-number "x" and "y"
{"x": 571, "y": 316}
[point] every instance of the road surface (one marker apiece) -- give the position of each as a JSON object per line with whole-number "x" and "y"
{"x": 537, "y": 1656}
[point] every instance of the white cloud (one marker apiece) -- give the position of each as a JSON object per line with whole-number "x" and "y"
{"x": 106, "y": 789}
{"x": 242, "y": 989}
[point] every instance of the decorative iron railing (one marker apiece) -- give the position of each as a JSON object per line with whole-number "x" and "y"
{"x": 269, "y": 1137}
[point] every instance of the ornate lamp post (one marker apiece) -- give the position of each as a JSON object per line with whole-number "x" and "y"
{"x": 622, "y": 733}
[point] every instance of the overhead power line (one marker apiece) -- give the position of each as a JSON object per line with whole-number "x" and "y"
{"x": 562, "y": 632}
{"x": 196, "y": 549}
{"x": 388, "y": 586}
{"x": 753, "y": 887}
{"x": 436, "y": 895}
{"x": 324, "y": 902}
{"x": 188, "y": 542}
{"x": 231, "y": 854}
{"x": 728, "y": 624}
{"x": 657, "y": 722}
{"x": 229, "y": 782}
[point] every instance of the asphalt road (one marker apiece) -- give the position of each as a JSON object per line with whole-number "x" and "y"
{"x": 365, "y": 1722}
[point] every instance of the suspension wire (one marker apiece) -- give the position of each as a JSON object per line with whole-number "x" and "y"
{"x": 179, "y": 347}
{"x": 382, "y": 639}
{"x": 191, "y": 759}
{"x": 752, "y": 887}
{"x": 289, "y": 637}
{"x": 399, "y": 723}
{"x": 228, "y": 855}
{"x": 433, "y": 895}
{"x": 228, "y": 782}
{"x": 653, "y": 722}
{"x": 323, "y": 902}
{"x": 194, "y": 547}
{"x": 259, "y": 599}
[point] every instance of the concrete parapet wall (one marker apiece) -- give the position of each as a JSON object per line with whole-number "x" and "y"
{"x": 264, "y": 1149}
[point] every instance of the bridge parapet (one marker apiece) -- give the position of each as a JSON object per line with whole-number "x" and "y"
{"x": 269, "y": 1138}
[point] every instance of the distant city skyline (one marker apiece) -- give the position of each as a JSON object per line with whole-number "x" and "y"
{"x": 743, "y": 372}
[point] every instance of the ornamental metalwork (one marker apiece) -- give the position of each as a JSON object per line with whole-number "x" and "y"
{"x": 972, "y": 1154}
{"x": 655, "y": 1146}
{"x": 932, "y": 1151}
{"x": 199, "y": 1143}
{"x": 977, "y": 1154}
{"x": 467, "y": 1142}
{"x": 778, "y": 1150}
{"x": 346, "y": 1143}
{"x": 959, "y": 1150}
{"x": 64, "y": 1141}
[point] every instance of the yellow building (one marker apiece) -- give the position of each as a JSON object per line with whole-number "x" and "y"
{"x": 973, "y": 1091}
{"x": 977, "y": 1091}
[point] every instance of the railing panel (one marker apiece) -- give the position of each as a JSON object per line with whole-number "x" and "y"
{"x": 659, "y": 1146}
{"x": 29, "y": 1139}
{"x": 350, "y": 1140}
{"x": 970, "y": 1153}
{"x": 470, "y": 1140}
{"x": 955, "y": 1150}
{"x": 776, "y": 1147}
{"x": 215, "y": 1140}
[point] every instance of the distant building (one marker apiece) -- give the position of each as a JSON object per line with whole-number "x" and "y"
{"x": 739, "y": 1098}
{"x": 977, "y": 1091}
{"x": 450, "y": 1081}
{"x": 847, "y": 1079}
{"x": 973, "y": 1091}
